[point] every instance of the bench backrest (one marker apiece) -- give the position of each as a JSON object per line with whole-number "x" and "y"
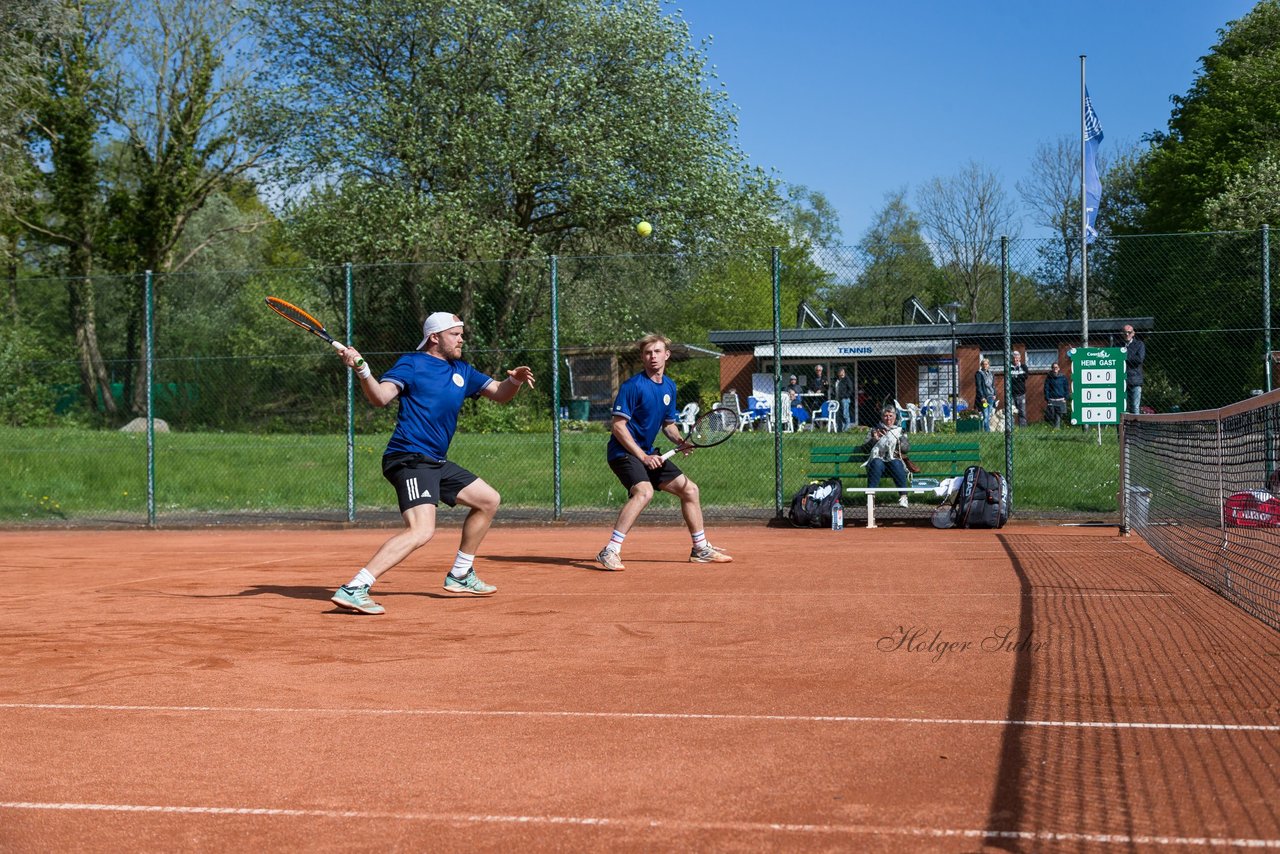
{"x": 944, "y": 459}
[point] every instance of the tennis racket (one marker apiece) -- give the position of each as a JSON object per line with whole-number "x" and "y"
{"x": 711, "y": 429}
{"x": 298, "y": 317}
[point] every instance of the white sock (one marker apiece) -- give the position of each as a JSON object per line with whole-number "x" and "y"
{"x": 699, "y": 539}
{"x": 615, "y": 542}
{"x": 364, "y": 578}
{"x": 462, "y": 564}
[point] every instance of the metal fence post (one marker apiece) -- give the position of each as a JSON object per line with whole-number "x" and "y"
{"x": 1008, "y": 353}
{"x": 149, "y": 372}
{"x": 557, "y": 510}
{"x": 351, "y": 404}
{"x": 1266, "y": 306}
{"x": 776, "y": 265}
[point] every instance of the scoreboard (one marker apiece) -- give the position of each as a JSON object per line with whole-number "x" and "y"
{"x": 1097, "y": 384}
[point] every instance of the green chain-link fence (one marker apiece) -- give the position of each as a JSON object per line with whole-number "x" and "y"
{"x": 264, "y": 422}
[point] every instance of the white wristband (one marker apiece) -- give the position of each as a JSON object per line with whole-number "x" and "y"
{"x": 363, "y": 372}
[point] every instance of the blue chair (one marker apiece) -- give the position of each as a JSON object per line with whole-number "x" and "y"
{"x": 826, "y": 417}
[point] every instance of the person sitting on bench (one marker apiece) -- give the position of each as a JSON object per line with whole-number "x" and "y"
{"x": 884, "y": 448}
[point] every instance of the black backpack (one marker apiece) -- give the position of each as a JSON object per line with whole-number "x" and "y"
{"x": 982, "y": 501}
{"x": 811, "y": 507}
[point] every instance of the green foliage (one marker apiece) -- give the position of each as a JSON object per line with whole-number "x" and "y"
{"x": 499, "y": 130}
{"x": 28, "y": 380}
{"x": 1223, "y": 127}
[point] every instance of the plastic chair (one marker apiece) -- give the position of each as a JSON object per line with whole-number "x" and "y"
{"x": 688, "y": 416}
{"x": 788, "y": 422}
{"x": 905, "y": 419}
{"x": 757, "y": 412}
{"x": 826, "y": 417}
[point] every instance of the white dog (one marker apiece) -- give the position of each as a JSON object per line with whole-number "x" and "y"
{"x": 998, "y": 417}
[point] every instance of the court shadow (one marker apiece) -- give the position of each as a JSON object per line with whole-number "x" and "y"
{"x": 322, "y": 594}
{"x": 526, "y": 559}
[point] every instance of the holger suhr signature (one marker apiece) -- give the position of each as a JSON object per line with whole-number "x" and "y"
{"x": 933, "y": 644}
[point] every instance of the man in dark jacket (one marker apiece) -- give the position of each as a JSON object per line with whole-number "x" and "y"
{"x": 1135, "y": 355}
{"x": 1055, "y": 395}
{"x": 842, "y": 390}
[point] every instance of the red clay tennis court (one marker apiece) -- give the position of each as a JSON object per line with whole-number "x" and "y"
{"x": 1036, "y": 688}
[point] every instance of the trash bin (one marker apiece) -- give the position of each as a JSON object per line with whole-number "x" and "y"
{"x": 1139, "y": 501}
{"x": 579, "y": 408}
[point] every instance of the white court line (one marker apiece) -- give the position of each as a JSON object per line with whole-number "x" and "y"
{"x": 1123, "y": 839}
{"x": 681, "y": 716}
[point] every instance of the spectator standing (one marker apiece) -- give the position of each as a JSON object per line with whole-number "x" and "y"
{"x": 986, "y": 386}
{"x": 842, "y": 391}
{"x": 1018, "y": 387}
{"x": 1135, "y": 355}
{"x": 1055, "y": 395}
{"x": 820, "y": 383}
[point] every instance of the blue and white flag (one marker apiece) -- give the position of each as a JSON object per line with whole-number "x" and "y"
{"x": 1092, "y": 183}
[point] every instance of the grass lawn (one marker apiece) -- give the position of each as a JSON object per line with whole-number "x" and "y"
{"x": 67, "y": 473}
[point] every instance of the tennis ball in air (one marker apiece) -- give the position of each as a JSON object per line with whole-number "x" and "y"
{"x": 643, "y": 228}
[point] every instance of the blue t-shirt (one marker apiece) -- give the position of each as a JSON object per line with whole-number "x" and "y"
{"x": 431, "y": 394}
{"x": 647, "y": 406}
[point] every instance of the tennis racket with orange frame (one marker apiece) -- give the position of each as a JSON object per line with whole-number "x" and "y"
{"x": 298, "y": 317}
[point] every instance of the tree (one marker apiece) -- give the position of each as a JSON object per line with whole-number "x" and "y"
{"x": 896, "y": 265}
{"x": 1250, "y": 199}
{"x": 61, "y": 132}
{"x": 965, "y": 215}
{"x": 178, "y": 112}
{"x": 501, "y": 129}
{"x": 1226, "y": 125}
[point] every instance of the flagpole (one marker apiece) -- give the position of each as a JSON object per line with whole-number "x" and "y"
{"x": 1084, "y": 221}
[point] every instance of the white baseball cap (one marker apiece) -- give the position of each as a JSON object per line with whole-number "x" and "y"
{"x": 437, "y": 322}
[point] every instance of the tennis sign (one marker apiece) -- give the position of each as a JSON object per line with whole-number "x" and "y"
{"x": 1097, "y": 384}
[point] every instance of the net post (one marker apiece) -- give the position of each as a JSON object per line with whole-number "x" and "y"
{"x": 1124, "y": 480}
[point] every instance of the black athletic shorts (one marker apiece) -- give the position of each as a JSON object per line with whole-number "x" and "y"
{"x": 418, "y": 479}
{"x": 631, "y": 471}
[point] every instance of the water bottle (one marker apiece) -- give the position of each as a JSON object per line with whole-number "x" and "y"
{"x": 837, "y": 516}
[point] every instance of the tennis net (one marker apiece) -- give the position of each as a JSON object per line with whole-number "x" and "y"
{"x": 1203, "y": 489}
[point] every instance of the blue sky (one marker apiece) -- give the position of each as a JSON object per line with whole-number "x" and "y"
{"x": 857, "y": 98}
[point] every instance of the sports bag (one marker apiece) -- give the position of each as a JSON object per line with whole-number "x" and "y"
{"x": 811, "y": 507}
{"x": 1253, "y": 509}
{"x": 982, "y": 501}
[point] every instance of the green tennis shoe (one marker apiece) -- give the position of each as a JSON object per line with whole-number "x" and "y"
{"x": 469, "y": 583}
{"x": 356, "y": 599}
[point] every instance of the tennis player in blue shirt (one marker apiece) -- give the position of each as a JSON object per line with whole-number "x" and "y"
{"x": 430, "y": 384}
{"x": 646, "y": 404}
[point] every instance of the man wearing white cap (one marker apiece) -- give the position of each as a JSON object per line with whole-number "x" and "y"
{"x": 431, "y": 384}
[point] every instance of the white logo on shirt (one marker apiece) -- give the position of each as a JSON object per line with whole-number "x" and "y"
{"x": 457, "y": 380}
{"x": 666, "y": 400}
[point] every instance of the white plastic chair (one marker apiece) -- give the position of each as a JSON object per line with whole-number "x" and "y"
{"x": 826, "y": 416}
{"x": 688, "y": 416}
{"x": 788, "y": 423}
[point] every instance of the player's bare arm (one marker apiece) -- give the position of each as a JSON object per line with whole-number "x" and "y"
{"x": 501, "y": 392}
{"x": 620, "y": 432}
{"x": 377, "y": 393}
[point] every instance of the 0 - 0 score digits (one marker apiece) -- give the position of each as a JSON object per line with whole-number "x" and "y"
{"x": 1097, "y": 395}
{"x": 1103, "y": 376}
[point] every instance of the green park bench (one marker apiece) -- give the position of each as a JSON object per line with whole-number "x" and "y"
{"x": 936, "y": 461}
